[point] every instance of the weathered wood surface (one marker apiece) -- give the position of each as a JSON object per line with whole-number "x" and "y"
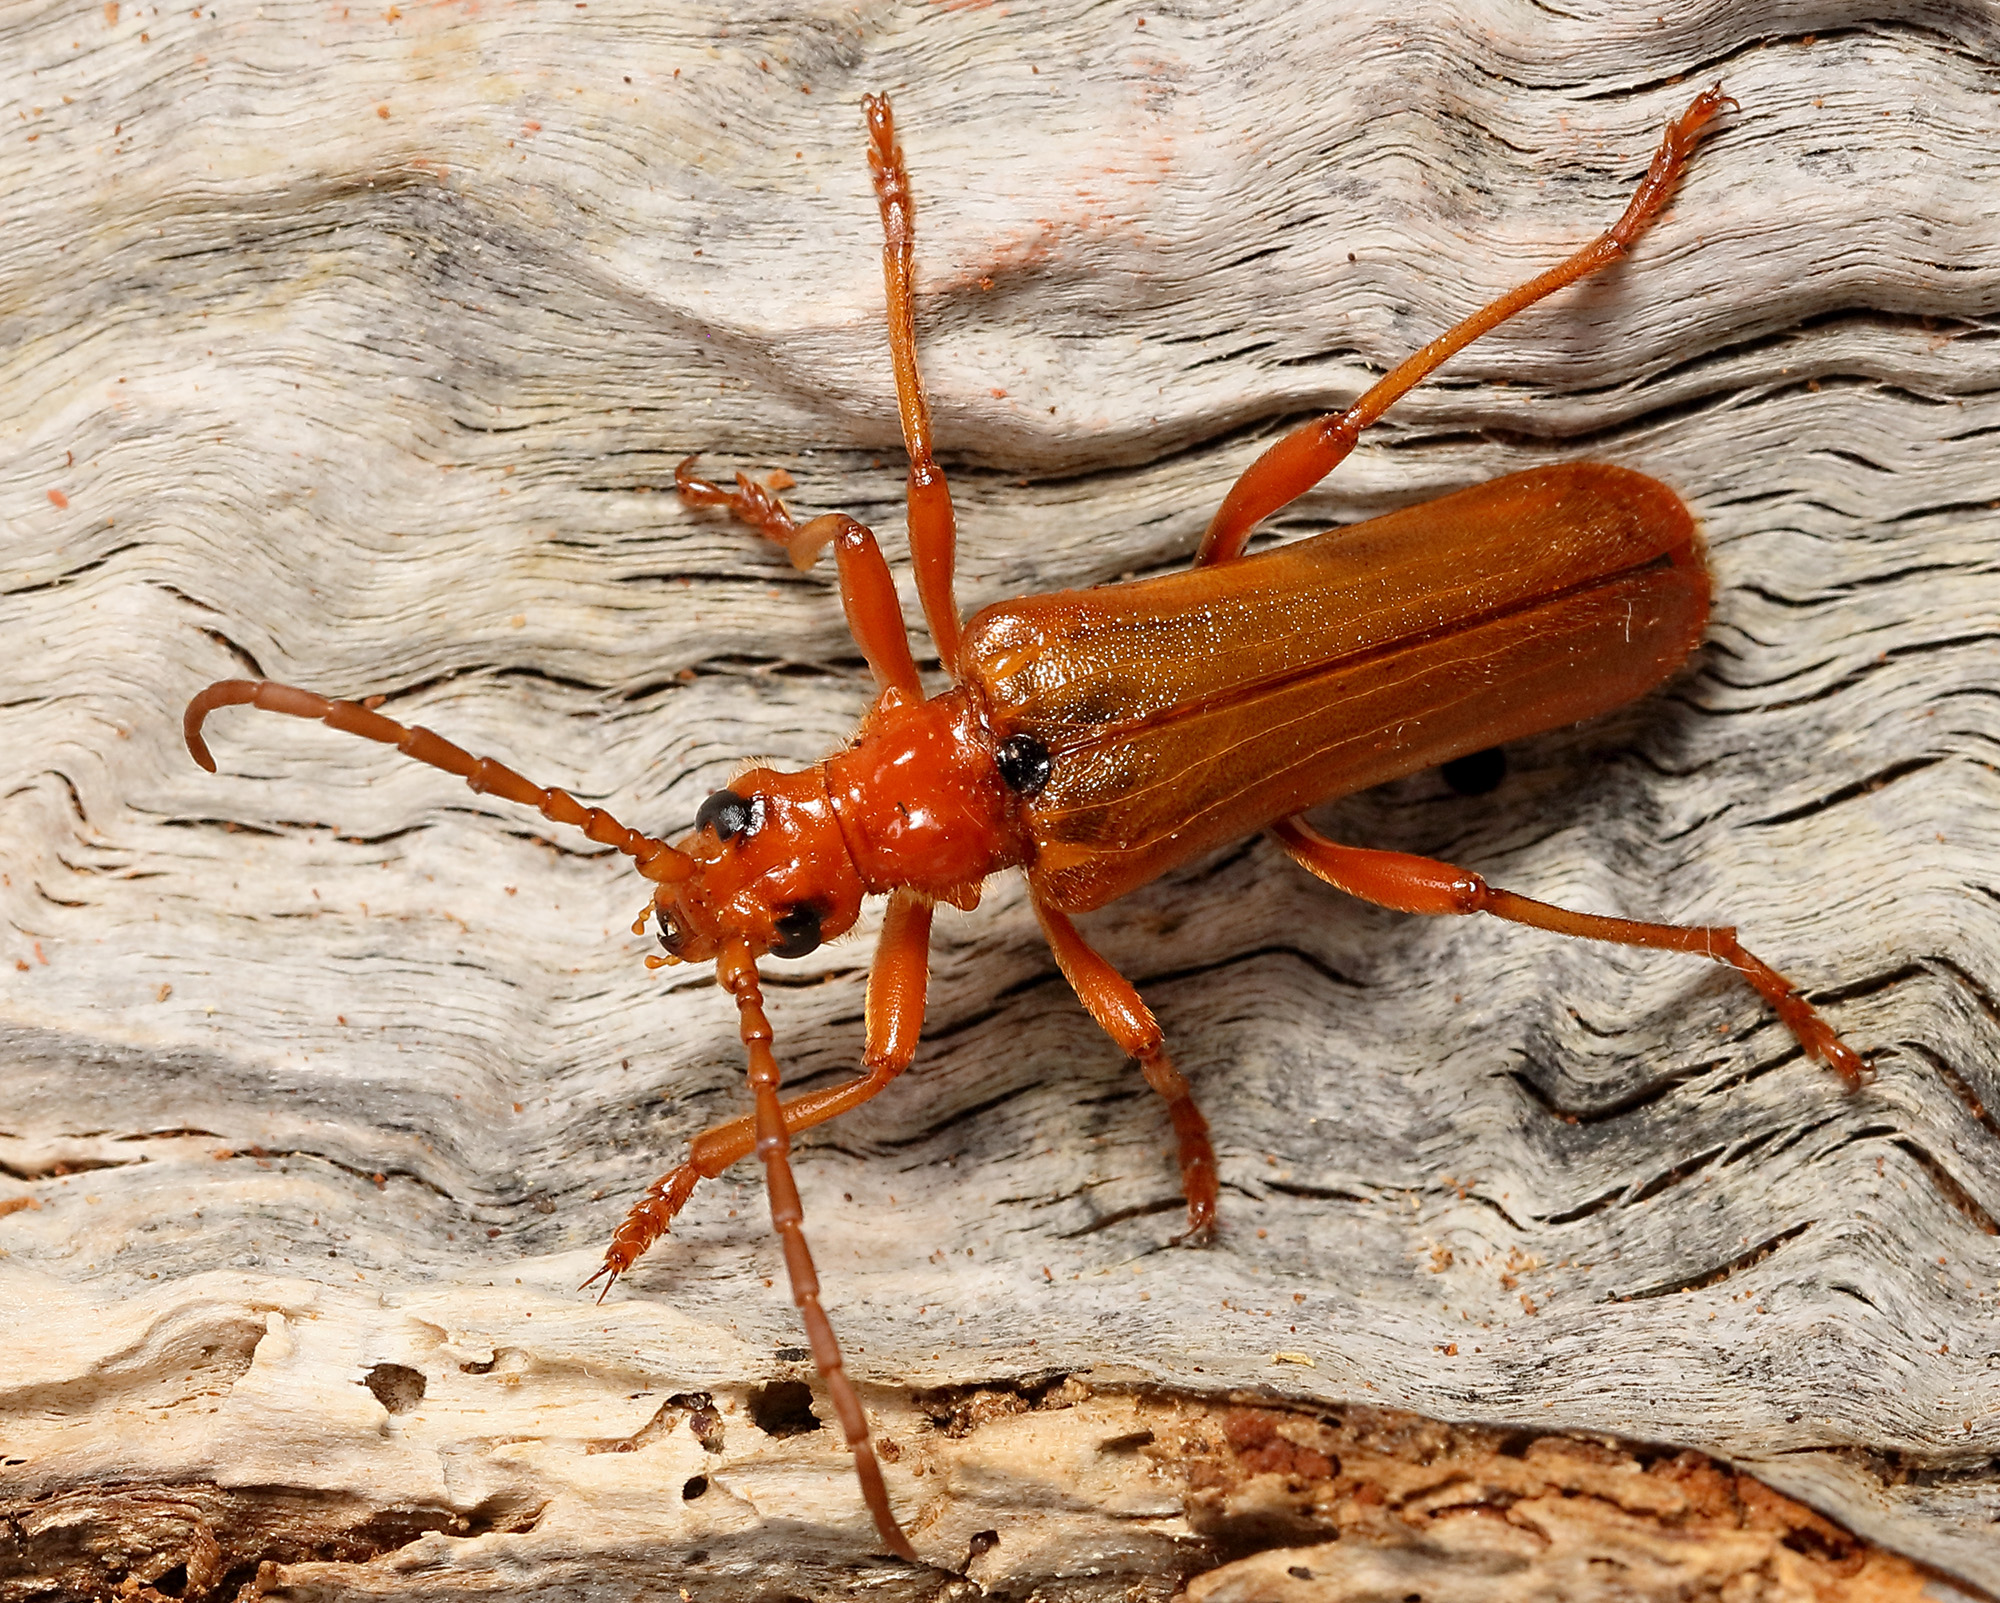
{"x": 351, "y": 347}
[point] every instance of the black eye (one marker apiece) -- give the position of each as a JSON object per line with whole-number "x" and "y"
{"x": 1023, "y": 762}
{"x": 672, "y": 934}
{"x": 798, "y": 931}
{"x": 727, "y": 814}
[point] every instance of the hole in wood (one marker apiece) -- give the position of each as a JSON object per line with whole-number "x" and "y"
{"x": 783, "y": 1408}
{"x": 397, "y": 1387}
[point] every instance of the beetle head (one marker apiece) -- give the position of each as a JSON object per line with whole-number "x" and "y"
{"x": 770, "y": 870}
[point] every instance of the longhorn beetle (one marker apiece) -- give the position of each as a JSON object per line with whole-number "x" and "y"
{"x": 1097, "y": 738}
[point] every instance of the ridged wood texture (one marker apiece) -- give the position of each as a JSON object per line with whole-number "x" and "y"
{"x": 353, "y": 347}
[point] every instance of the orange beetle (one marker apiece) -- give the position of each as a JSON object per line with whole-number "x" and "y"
{"x": 1097, "y": 738}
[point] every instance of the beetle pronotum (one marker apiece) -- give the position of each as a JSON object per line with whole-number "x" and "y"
{"x": 1097, "y": 738}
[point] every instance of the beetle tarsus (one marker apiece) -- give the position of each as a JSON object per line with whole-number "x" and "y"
{"x": 1682, "y": 134}
{"x": 759, "y": 507}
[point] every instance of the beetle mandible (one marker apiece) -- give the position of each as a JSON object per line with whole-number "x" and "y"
{"x": 1097, "y": 738}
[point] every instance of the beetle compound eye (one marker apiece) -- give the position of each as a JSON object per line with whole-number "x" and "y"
{"x": 1024, "y": 764}
{"x": 727, "y": 814}
{"x": 798, "y": 931}
{"x": 673, "y": 933}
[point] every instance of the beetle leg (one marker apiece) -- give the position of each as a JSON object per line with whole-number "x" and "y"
{"x": 868, "y": 596}
{"x": 1411, "y": 884}
{"x": 933, "y": 524}
{"x": 867, "y": 593}
{"x": 751, "y": 503}
{"x": 1110, "y": 999}
{"x": 1301, "y": 459}
{"x": 895, "y": 1017}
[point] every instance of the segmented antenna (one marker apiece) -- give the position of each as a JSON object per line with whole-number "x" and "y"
{"x": 655, "y": 858}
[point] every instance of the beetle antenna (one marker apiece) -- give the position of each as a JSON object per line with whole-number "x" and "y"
{"x": 655, "y": 858}
{"x": 736, "y": 973}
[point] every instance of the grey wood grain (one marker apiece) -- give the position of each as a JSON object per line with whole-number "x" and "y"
{"x": 353, "y": 349}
